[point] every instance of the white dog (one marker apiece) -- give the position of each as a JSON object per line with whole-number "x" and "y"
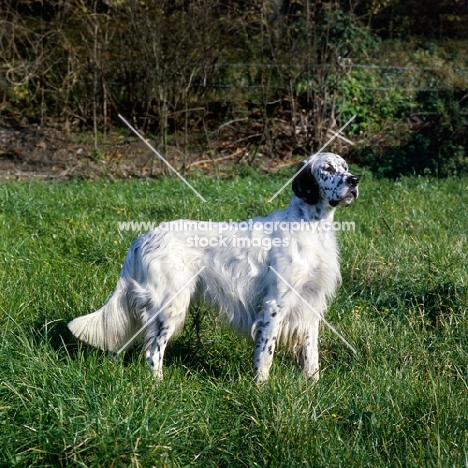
{"x": 269, "y": 277}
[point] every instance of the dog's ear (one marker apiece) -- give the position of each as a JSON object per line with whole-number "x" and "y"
{"x": 305, "y": 185}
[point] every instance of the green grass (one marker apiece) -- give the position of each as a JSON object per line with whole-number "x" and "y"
{"x": 401, "y": 400}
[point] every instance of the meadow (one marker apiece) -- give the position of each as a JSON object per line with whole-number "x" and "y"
{"x": 400, "y": 401}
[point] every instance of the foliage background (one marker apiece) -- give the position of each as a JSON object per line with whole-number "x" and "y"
{"x": 250, "y": 80}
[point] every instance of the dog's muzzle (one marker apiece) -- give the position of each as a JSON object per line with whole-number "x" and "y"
{"x": 353, "y": 182}
{"x": 351, "y": 195}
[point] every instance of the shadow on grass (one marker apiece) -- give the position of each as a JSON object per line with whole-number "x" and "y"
{"x": 187, "y": 351}
{"x": 435, "y": 302}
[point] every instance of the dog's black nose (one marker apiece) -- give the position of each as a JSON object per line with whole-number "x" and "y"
{"x": 353, "y": 181}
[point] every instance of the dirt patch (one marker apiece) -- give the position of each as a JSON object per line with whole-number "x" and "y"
{"x": 42, "y": 152}
{"x": 38, "y": 152}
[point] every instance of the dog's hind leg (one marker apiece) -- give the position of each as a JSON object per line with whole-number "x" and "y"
{"x": 163, "y": 324}
{"x": 265, "y": 336}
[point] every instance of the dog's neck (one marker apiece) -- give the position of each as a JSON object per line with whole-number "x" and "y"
{"x": 299, "y": 209}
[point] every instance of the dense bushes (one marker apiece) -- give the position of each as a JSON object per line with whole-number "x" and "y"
{"x": 430, "y": 138}
{"x": 164, "y": 64}
{"x": 283, "y": 75}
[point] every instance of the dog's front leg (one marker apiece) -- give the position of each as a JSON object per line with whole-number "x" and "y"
{"x": 309, "y": 356}
{"x": 265, "y": 335}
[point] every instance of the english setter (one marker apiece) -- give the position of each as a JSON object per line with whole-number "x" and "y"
{"x": 269, "y": 277}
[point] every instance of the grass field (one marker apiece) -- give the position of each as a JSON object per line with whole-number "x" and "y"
{"x": 400, "y": 401}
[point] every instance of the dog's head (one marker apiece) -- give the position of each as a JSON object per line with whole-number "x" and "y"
{"x": 325, "y": 177}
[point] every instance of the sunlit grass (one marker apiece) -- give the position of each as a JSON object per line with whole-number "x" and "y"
{"x": 401, "y": 400}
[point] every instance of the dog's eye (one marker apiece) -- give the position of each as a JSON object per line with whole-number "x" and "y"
{"x": 329, "y": 168}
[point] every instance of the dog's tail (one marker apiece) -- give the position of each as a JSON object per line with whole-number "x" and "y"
{"x": 115, "y": 325}
{"x": 109, "y": 328}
